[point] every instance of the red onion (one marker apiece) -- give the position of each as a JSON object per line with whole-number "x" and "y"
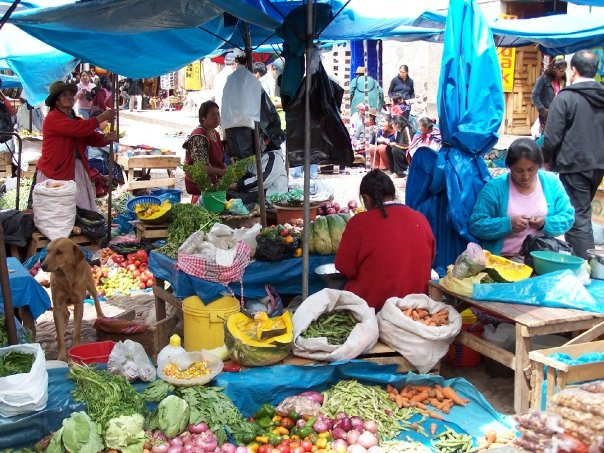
{"x": 339, "y": 445}
{"x": 198, "y": 428}
{"x": 189, "y": 448}
{"x": 338, "y": 433}
{"x": 357, "y": 424}
{"x": 241, "y": 450}
{"x": 163, "y": 448}
{"x": 312, "y": 395}
{"x": 320, "y": 426}
{"x": 371, "y": 426}
{"x": 157, "y": 434}
{"x": 344, "y": 423}
{"x": 352, "y": 437}
{"x": 352, "y": 205}
{"x": 336, "y": 206}
{"x": 228, "y": 448}
{"x": 174, "y": 450}
{"x": 341, "y": 415}
{"x": 367, "y": 440}
{"x": 301, "y": 423}
{"x": 176, "y": 442}
{"x": 356, "y": 449}
{"x": 344, "y": 210}
{"x": 374, "y": 449}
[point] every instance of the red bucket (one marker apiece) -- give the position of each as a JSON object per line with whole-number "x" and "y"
{"x": 88, "y": 353}
{"x": 462, "y": 356}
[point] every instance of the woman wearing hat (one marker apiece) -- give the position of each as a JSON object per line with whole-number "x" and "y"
{"x": 66, "y": 137}
{"x": 375, "y": 94}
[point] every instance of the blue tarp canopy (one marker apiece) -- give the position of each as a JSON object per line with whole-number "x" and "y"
{"x": 144, "y": 38}
{"x": 587, "y": 2}
{"x": 10, "y": 81}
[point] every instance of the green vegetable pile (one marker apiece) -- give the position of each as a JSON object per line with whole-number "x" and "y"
{"x": 450, "y": 441}
{"x": 8, "y": 200}
{"x": 15, "y": 362}
{"x": 118, "y": 204}
{"x": 78, "y": 433}
{"x": 199, "y": 174}
{"x": 106, "y": 395}
{"x": 335, "y": 326}
{"x": 212, "y": 406}
{"x": 26, "y": 335}
{"x": 157, "y": 391}
{"x": 369, "y": 403}
{"x": 291, "y": 198}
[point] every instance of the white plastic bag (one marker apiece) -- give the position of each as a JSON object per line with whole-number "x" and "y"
{"x": 24, "y": 392}
{"x": 248, "y": 235}
{"x": 421, "y": 345}
{"x": 184, "y": 361}
{"x": 55, "y": 208}
{"x": 362, "y": 338}
{"x": 129, "y": 359}
{"x": 241, "y": 100}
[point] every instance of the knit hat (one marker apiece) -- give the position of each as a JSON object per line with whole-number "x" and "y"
{"x": 360, "y": 70}
{"x": 56, "y": 88}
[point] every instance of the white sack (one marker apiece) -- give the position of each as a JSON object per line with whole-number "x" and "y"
{"x": 362, "y": 339}
{"x": 240, "y": 100}
{"x": 55, "y": 208}
{"x": 421, "y": 345}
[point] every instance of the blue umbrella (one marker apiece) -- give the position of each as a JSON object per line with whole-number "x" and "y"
{"x": 470, "y": 107}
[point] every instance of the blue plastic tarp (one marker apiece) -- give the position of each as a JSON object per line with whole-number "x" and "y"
{"x": 9, "y": 81}
{"x": 25, "y": 290}
{"x": 285, "y": 276}
{"x": 559, "y": 289}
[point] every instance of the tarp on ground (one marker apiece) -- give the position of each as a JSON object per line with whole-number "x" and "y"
{"x": 251, "y": 388}
{"x": 144, "y": 38}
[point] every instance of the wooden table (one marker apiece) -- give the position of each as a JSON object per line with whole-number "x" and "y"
{"x": 147, "y": 162}
{"x": 530, "y": 322}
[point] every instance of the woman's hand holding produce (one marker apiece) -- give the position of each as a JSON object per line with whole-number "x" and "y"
{"x": 519, "y": 223}
{"x": 537, "y": 222}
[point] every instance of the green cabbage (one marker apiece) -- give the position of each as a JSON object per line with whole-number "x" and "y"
{"x": 171, "y": 416}
{"x": 126, "y": 433}
{"x": 78, "y": 434}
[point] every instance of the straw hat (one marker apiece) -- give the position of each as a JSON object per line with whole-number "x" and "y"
{"x": 360, "y": 70}
{"x": 372, "y": 111}
{"x": 56, "y": 88}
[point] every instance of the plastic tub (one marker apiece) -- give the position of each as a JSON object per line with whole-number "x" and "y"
{"x": 138, "y": 200}
{"x": 88, "y": 353}
{"x": 214, "y": 201}
{"x": 204, "y": 324}
{"x": 174, "y": 195}
{"x": 545, "y": 262}
{"x": 287, "y": 214}
{"x": 460, "y": 355}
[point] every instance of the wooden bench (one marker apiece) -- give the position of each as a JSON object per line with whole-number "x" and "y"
{"x": 530, "y": 321}
{"x": 150, "y": 232}
{"x": 132, "y": 163}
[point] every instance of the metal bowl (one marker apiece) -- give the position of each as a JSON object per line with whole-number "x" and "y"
{"x": 330, "y": 275}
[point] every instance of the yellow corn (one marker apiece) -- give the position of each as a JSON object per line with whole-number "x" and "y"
{"x": 196, "y": 370}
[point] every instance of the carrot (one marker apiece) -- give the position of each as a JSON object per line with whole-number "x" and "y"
{"x": 443, "y": 403}
{"x": 432, "y": 324}
{"x": 419, "y": 405}
{"x": 422, "y": 313}
{"x": 414, "y": 315}
{"x": 446, "y": 409}
{"x": 422, "y": 388}
{"x": 407, "y": 312}
{"x": 448, "y": 392}
{"x": 419, "y": 398}
{"x": 491, "y": 437}
{"x": 432, "y": 428}
{"x": 391, "y": 396}
{"x": 434, "y": 402}
{"x": 442, "y": 312}
{"x": 390, "y": 389}
{"x": 435, "y": 415}
{"x": 406, "y": 403}
{"x": 399, "y": 401}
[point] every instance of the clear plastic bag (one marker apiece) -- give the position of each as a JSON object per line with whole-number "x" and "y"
{"x": 541, "y": 422}
{"x": 183, "y": 361}
{"x": 580, "y": 400}
{"x": 470, "y": 262}
{"x": 299, "y": 405}
{"x": 593, "y": 387}
{"x": 129, "y": 359}
{"x": 592, "y": 421}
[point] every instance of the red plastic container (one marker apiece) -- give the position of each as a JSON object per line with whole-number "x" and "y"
{"x": 88, "y": 353}
{"x": 462, "y": 356}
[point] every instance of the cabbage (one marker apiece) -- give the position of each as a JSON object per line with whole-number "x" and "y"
{"x": 78, "y": 434}
{"x": 126, "y": 433}
{"x": 171, "y": 416}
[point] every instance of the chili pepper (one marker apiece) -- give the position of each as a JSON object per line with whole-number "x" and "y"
{"x": 266, "y": 410}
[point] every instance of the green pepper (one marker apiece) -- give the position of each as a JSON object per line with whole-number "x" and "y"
{"x": 293, "y": 415}
{"x": 266, "y": 410}
{"x": 308, "y": 429}
{"x": 247, "y": 438}
{"x": 264, "y": 422}
{"x": 274, "y": 439}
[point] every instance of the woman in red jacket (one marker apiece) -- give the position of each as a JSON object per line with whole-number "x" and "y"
{"x": 66, "y": 137}
{"x": 388, "y": 250}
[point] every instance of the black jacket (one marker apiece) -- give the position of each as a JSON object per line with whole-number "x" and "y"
{"x": 403, "y": 87}
{"x": 543, "y": 92}
{"x": 574, "y": 133}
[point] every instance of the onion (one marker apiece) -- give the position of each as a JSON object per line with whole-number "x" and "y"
{"x": 206, "y": 441}
{"x": 312, "y": 395}
{"x": 319, "y": 426}
{"x": 341, "y": 415}
{"x": 352, "y": 204}
{"x": 357, "y": 424}
{"x": 331, "y": 211}
{"x": 336, "y": 206}
{"x": 301, "y": 423}
{"x": 344, "y": 210}
{"x": 339, "y": 445}
{"x": 367, "y": 439}
{"x": 338, "y": 433}
{"x": 198, "y": 428}
{"x": 374, "y": 449}
{"x": 371, "y": 426}
{"x": 228, "y": 448}
{"x": 176, "y": 442}
{"x": 344, "y": 423}
{"x": 356, "y": 449}
{"x": 189, "y": 447}
{"x": 174, "y": 450}
{"x": 241, "y": 450}
{"x": 157, "y": 434}
{"x": 163, "y": 448}
{"x": 352, "y": 437}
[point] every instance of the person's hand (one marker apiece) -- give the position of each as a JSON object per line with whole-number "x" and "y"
{"x": 107, "y": 115}
{"x": 536, "y": 222}
{"x": 110, "y": 136}
{"x": 520, "y": 223}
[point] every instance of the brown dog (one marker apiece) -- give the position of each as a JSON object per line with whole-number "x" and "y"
{"x": 70, "y": 279}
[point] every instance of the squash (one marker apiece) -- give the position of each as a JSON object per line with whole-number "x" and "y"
{"x": 503, "y": 270}
{"x": 259, "y": 341}
{"x": 153, "y": 214}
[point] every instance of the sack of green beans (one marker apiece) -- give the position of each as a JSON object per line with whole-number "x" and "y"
{"x": 334, "y": 325}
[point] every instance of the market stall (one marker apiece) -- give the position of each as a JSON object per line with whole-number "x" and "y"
{"x": 142, "y": 164}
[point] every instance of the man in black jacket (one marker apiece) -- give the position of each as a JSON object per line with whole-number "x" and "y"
{"x": 574, "y": 144}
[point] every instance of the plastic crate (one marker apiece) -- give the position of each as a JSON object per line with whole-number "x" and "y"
{"x": 88, "y": 353}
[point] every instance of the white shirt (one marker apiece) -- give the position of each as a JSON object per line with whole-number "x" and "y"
{"x": 580, "y": 79}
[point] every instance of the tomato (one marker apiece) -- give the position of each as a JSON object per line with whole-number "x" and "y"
{"x": 135, "y": 273}
{"x": 306, "y": 444}
{"x": 143, "y": 266}
{"x": 142, "y": 285}
{"x": 150, "y": 283}
{"x": 265, "y": 448}
{"x": 286, "y": 442}
{"x": 297, "y": 449}
{"x": 284, "y": 448}
{"x": 287, "y": 422}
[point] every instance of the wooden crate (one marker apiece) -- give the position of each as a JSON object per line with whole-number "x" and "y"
{"x": 5, "y": 165}
{"x": 153, "y": 339}
{"x": 150, "y": 232}
{"x": 38, "y": 241}
{"x": 381, "y": 354}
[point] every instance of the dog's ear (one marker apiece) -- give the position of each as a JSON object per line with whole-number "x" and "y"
{"x": 77, "y": 254}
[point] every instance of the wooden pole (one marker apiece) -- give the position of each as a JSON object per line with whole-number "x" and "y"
{"x": 9, "y": 314}
{"x": 307, "y": 135}
{"x": 366, "y": 102}
{"x": 261, "y": 196}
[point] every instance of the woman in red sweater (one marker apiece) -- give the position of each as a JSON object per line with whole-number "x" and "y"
{"x": 65, "y": 138}
{"x": 388, "y": 250}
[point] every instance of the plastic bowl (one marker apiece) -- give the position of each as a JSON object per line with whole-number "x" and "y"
{"x": 545, "y": 262}
{"x": 138, "y": 200}
{"x": 97, "y": 352}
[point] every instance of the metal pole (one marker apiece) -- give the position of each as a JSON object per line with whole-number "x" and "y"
{"x": 9, "y": 315}
{"x": 366, "y": 102}
{"x": 19, "y": 151}
{"x": 308, "y": 85}
{"x": 110, "y": 160}
{"x": 261, "y": 196}
{"x": 8, "y": 13}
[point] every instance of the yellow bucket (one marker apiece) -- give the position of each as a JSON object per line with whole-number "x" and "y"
{"x": 204, "y": 324}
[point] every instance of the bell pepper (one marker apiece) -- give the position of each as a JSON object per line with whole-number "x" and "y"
{"x": 262, "y": 439}
{"x": 274, "y": 439}
{"x": 293, "y": 415}
{"x": 321, "y": 442}
{"x": 307, "y": 430}
{"x": 253, "y": 447}
{"x": 264, "y": 422}
{"x": 266, "y": 410}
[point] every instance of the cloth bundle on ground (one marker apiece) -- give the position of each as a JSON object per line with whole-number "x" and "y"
{"x": 362, "y": 338}
{"x": 18, "y": 227}
{"x": 54, "y": 204}
{"x": 423, "y": 346}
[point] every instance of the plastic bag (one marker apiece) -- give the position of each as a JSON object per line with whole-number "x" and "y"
{"x": 362, "y": 338}
{"x": 534, "y": 243}
{"x": 470, "y": 262}
{"x": 238, "y": 208}
{"x": 504, "y": 335}
{"x": 300, "y": 405}
{"x": 241, "y": 100}
{"x": 184, "y": 361}
{"x": 271, "y": 304}
{"x": 55, "y": 208}
{"x": 462, "y": 286}
{"x": 559, "y": 289}
{"x": 421, "y": 345}
{"x": 129, "y": 359}
{"x": 580, "y": 400}
{"x": 24, "y": 392}
{"x": 540, "y": 422}
{"x": 592, "y": 421}
{"x": 248, "y": 235}
{"x": 593, "y": 387}
{"x": 269, "y": 249}
{"x": 92, "y": 224}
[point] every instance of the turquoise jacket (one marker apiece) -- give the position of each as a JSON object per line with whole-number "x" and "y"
{"x": 490, "y": 222}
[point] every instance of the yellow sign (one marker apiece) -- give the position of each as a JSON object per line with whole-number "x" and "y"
{"x": 507, "y": 63}
{"x": 193, "y": 76}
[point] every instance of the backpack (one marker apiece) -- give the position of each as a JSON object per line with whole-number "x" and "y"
{"x": 7, "y": 123}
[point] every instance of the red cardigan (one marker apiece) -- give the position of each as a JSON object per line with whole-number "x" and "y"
{"x": 386, "y": 257}
{"x": 62, "y": 135}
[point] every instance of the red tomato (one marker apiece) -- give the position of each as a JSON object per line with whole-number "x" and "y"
{"x": 143, "y": 266}
{"x": 298, "y": 450}
{"x": 131, "y": 267}
{"x": 150, "y": 283}
{"x": 284, "y": 448}
{"x": 307, "y": 445}
{"x": 142, "y": 285}
{"x": 275, "y": 450}
{"x": 265, "y": 448}
{"x": 136, "y": 273}
{"x": 286, "y": 442}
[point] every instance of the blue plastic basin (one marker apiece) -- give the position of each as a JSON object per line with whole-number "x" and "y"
{"x": 546, "y": 262}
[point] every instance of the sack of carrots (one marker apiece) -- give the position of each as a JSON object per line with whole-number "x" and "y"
{"x": 419, "y": 328}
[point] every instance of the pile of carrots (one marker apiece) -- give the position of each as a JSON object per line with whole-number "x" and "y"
{"x": 440, "y": 318}
{"x": 423, "y": 396}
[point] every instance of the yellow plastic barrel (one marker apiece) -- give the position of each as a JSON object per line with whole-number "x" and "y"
{"x": 204, "y": 324}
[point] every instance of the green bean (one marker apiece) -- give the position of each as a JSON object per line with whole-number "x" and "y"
{"x": 335, "y": 326}
{"x": 399, "y": 446}
{"x": 450, "y": 441}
